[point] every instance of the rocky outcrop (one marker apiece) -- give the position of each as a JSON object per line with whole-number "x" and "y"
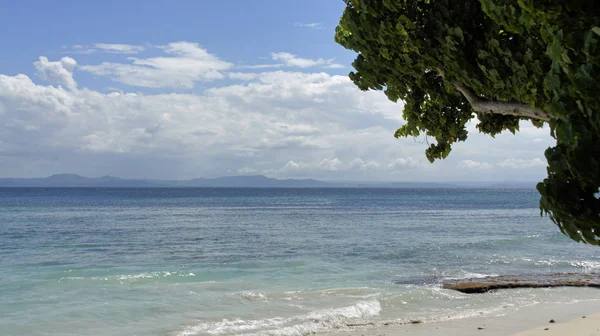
{"x": 482, "y": 285}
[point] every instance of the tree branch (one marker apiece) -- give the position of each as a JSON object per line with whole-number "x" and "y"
{"x": 499, "y": 107}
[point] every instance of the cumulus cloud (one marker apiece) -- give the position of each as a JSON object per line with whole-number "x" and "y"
{"x": 275, "y": 118}
{"x": 405, "y": 163}
{"x": 245, "y": 76}
{"x": 292, "y": 60}
{"x": 520, "y": 164}
{"x": 60, "y": 72}
{"x": 280, "y": 123}
{"x": 470, "y": 164}
{"x": 309, "y": 91}
{"x": 323, "y": 166}
{"x": 184, "y": 64}
{"x": 330, "y": 165}
{"x": 361, "y": 164}
{"x": 293, "y": 165}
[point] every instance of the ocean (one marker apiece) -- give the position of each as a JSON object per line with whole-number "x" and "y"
{"x": 267, "y": 261}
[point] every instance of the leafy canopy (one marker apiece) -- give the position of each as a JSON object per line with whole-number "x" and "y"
{"x": 539, "y": 54}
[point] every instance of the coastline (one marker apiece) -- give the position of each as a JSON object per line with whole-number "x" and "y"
{"x": 530, "y": 320}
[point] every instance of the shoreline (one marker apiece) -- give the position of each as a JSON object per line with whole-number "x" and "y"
{"x": 531, "y": 320}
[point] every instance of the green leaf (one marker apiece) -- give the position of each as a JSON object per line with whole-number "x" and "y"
{"x": 555, "y": 50}
{"x": 565, "y": 57}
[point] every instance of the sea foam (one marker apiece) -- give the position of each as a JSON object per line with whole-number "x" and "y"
{"x": 315, "y": 321}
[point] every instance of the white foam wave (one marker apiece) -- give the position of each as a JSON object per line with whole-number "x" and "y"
{"x": 470, "y": 275}
{"x": 586, "y": 265}
{"x": 252, "y": 296}
{"x": 312, "y": 322}
{"x": 131, "y": 277}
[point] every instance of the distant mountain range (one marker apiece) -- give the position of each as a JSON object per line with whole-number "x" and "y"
{"x": 73, "y": 180}
{"x": 253, "y": 181}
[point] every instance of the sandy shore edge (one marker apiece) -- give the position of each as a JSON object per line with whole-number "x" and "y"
{"x": 530, "y": 320}
{"x": 585, "y": 325}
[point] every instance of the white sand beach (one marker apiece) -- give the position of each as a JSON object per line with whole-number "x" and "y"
{"x": 532, "y": 320}
{"x": 583, "y": 326}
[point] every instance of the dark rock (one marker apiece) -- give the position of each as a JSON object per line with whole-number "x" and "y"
{"x": 546, "y": 328}
{"x": 480, "y": 328}
{"x": 416, "y": 321}
{"x": 552, "y": 321}
{"x": 482, "y": 285}
{"x": 583, "y": 316}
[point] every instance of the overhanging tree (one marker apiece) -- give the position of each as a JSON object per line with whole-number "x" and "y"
{"x": 502, "y": 61}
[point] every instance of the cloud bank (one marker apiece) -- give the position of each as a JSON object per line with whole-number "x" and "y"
{"x": 285, "y": 124}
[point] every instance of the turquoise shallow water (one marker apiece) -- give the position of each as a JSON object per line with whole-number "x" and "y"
{"x": 266, "y": 261}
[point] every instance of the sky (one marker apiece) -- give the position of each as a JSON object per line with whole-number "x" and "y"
{"x": 186, "y": 89}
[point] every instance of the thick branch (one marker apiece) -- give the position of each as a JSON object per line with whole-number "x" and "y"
{"x": 501, "y": 107}
{"x": 498, "y": 107}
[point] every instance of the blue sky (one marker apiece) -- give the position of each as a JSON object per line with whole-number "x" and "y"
{"x": 244, "y": 31}
{"x": 163, "y": 89}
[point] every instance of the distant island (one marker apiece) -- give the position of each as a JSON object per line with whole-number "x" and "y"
{"x": 250, "y": 181}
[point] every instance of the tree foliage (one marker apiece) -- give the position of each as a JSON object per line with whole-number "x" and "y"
{"x": 502, "y": 61}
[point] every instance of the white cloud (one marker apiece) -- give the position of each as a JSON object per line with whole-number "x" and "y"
{"x": 317, "y": 167}
{"x": 520, "y": 164}
{"x": 185, "y": 64}
{"x": 290, "y": 167}
{"x": 295, "y": 61}
{"x": 112, "y": 48}
{"x": 119, "y": 48}
{"x": 282, "y": 123}
{"x": 470, "y": 164}
{"x": 361, "y": 164}
{"x": 260, "y": 66}
{"x": 331, "y": 65}
{"x": 311, "y": 25}
{"x": 405, "y": 163}
{"x": 245, "y": 76}
{"x": 60, "y": 72}
{"x": 265, "y": 123}
{"x": 325, "y": 165}
{"x": 295, "y": 129}
{"x": 330, "y": 165}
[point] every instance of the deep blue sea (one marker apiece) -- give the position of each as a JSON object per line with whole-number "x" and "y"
{"x": 266, "y": 261}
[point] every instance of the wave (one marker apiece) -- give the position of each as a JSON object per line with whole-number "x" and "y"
{"x": 438, "y": 279}
{"x": 470, "y": 275}
{"x": 584, "y": 265}
{"x": 312, "y": 322}
{"x": 130, "y": 277}
{"x": 361, "y": 315}
{"x": 252, "y": 296}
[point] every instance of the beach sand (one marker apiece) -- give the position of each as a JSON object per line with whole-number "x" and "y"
{"x": 588, "y": 325}
{"x": 524, "y": 321}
